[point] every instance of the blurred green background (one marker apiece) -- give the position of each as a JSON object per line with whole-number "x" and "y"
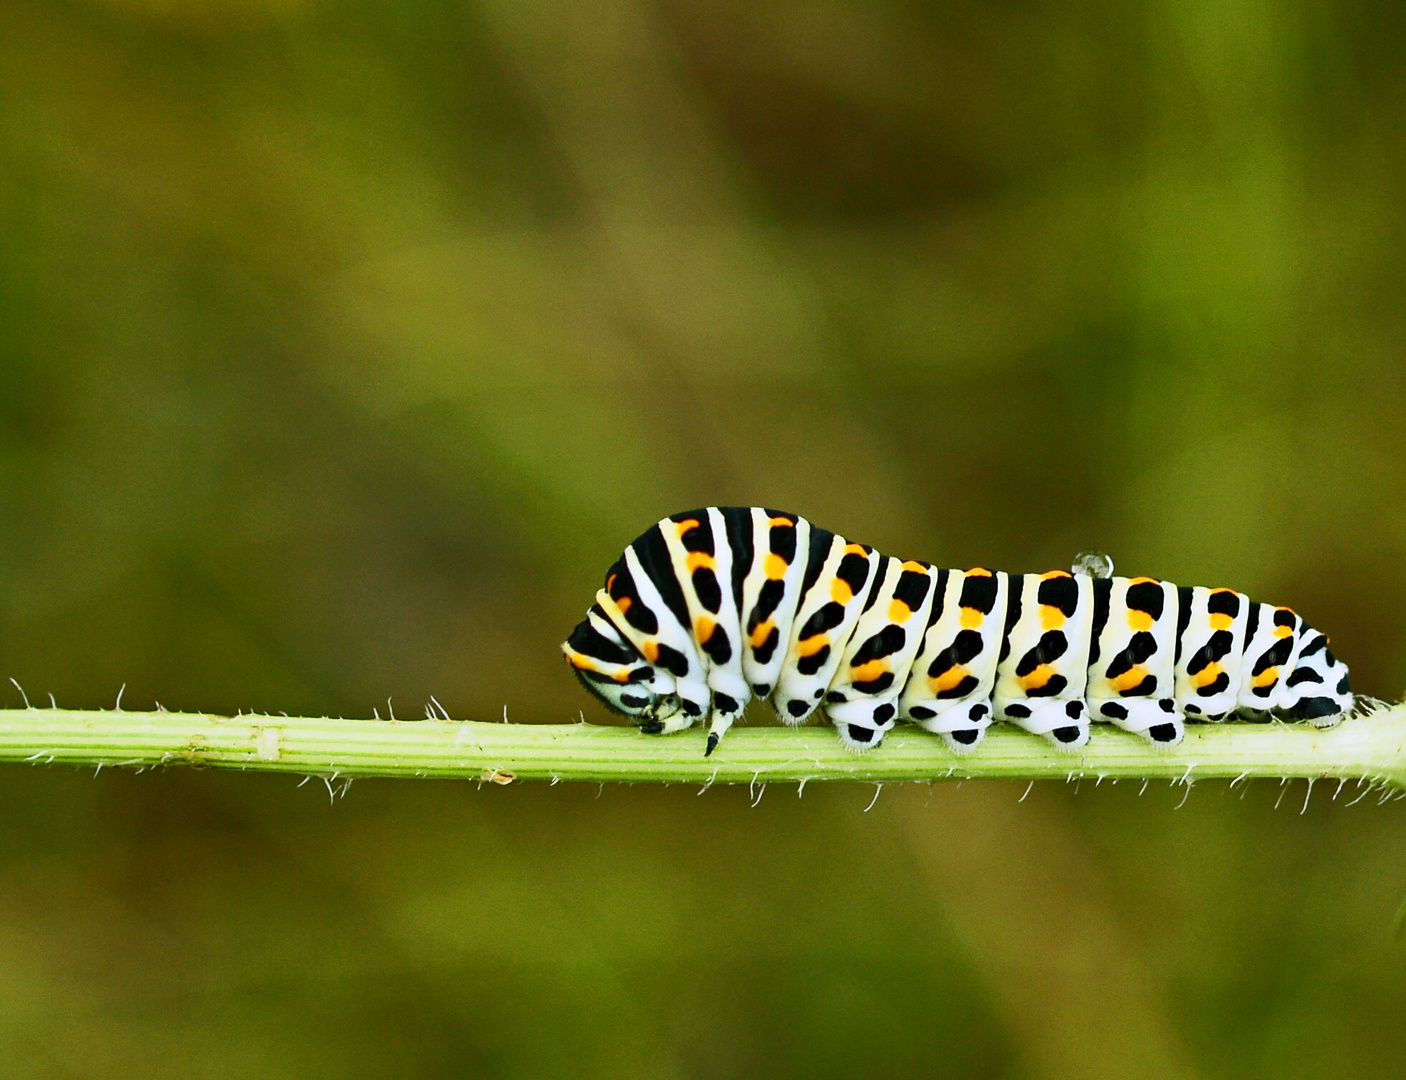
{"x": 344, "y": 344}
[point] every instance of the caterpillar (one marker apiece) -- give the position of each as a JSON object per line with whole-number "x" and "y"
{"x": 710, "y": 608}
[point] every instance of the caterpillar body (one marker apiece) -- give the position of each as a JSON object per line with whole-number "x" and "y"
{"x": 712, "y": 607}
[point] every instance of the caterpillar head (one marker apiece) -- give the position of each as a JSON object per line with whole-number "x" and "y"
{"x": 627, "y": 699}
{"x": 613, "y": 670}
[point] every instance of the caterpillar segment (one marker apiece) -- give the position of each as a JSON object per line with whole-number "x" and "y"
{"x": 701, "y": 560}
{"x": 1272, "y": 638}
{"x": 1132, "y": 657}
{"x": 1211, "y": 627}
{"x": 771, "y": 592}
{"x": 645, "y": 603}
{"x": 837, "y": 579}
{"x": 710, "y": 608}
{"x": 948, "y": 690}
{"x": 862, "y": 698}
{"x": 1043, "y": 666}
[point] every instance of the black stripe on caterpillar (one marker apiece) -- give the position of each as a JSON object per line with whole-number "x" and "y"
{"x": 712, "y": 607}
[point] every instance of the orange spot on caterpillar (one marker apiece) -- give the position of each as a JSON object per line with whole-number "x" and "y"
{"x": 916, "y": 567}
{"x": 972, "y": 618}
{"x": 775, "y": 567}
{"x": 624, "y": 603}
{"x": 761, "y": 633}
{"x": 700, "y": 558}
{"x": 1267, "y": 677}
{"x": 870, "y": 671}
{"x": 1037, "y": 678}
{"x": 1221, "y": 621}
{"x": 899, "y": 611}
{"x": 1207, "y": 675}
{"x": 686, "y": 526}
{"x": 650, "y": 648}
{"x": 1055, "y": 574}
{"x": 1129, "y": 679}
{"x": 703, "y": 628}
{"x": 949, "y": 679}
{"x": 978, "y": 571}
{"x": 781, "y": 523}
{"x": 1051, "y": 618}
{"x": 1139, "y": 620}
{"x": 1143, "y": 581}
{"x": 812, "y": 645}
{"x": 840, "y": 592}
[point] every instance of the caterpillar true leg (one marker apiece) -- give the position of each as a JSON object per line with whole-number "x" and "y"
{"x": 723, "y": 719}
{"x": 667, "y": 718}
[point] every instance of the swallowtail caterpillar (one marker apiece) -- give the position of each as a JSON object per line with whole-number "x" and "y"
{"x": 710, "y": 608}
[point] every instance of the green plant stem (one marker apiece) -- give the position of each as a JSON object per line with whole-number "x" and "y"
{"x": 1369, "y": 748}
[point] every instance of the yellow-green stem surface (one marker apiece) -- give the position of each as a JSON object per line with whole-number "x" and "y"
{"x": 1370, "y": 747}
